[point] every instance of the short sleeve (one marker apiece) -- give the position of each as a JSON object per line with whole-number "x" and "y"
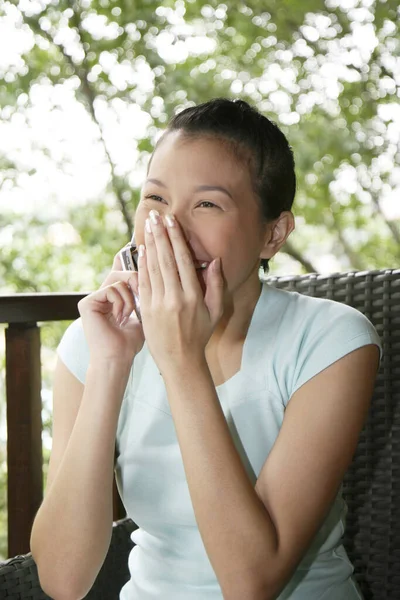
{"x": 73, "y": 350}
{"x": 343, "y": 330}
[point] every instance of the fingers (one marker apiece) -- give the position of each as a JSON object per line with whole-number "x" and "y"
{"x": 215, "y": 291}
{"x": 184, "y": 260}
{"x": 157, "y": 252}
{"x": 127, "y": 276}
{"x": 116, "y": 300}
{"x": 169, "y": 261}
{"x": 123, "y": 302}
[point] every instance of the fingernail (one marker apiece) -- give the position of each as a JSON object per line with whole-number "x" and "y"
{"x": 154, "y": 216}
{"x": 141, "y": 250}
{"x": 148, "y": 226}
{"x": 137, "y": 301}
{"x": 124, "y": 321}
{"x": 170, "y": 220}
{"x": 217, "y": 265}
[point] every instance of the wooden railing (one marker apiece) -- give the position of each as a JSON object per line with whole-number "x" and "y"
{"x": 22, "y": 313}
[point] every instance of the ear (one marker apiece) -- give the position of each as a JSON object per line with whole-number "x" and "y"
{"x": 277, "y": 232}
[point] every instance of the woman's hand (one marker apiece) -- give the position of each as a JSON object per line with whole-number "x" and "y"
{"x": 178, "y": 319}
{"x": 112, "y": 329}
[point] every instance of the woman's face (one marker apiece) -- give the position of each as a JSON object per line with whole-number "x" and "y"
{"x": 209, "y": 191}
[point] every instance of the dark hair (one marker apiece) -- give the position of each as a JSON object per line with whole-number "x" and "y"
{"x": 271, "y": 158}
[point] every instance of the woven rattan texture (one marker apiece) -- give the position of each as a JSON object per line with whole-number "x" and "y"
{"x": 372, "y": 484}
{"x": 114, "y": 572}
{"x": 19, "y": 578}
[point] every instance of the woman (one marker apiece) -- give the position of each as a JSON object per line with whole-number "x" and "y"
{"x": 235, "y": 407}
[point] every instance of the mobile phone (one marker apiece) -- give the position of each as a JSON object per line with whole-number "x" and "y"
{"x": 129, "y": 258}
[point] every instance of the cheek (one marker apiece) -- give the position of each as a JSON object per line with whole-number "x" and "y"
{"x": 233, "y": 242}
{"x": 139, "y": 223}
{"x": 239, "y": 251}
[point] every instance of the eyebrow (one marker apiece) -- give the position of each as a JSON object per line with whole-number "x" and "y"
{"x": 199, "y": 188}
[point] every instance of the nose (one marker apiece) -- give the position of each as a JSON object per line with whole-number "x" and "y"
{"x": 183, "y": 223}
{"x": 186, "y": 228}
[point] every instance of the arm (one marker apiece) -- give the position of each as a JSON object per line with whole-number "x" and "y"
{"x": 245, "y": 528}
{"x": 72, "y": 529}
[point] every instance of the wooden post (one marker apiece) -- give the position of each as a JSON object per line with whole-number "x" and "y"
{"x": 24, "y": 433}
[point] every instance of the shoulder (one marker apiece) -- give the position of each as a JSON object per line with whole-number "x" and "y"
{"x": 73, "y": 334}
{"x": 295, "y": 312}
{"x": 309, "y": 334}
{"x": 73, "y": 350}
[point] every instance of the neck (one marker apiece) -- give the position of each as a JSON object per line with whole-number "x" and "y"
{"x": 239, "y": 308}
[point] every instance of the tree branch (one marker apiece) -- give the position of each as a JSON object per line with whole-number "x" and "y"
{"x": 354, "y": 258}
{"x": 290, "y": 250}
{"x": 87, "y": 90}
{"x": 390, "y": 224}
{"x": 355, "y": 261}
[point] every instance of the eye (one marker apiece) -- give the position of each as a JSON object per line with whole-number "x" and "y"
{"x": 154, "y": 197}
{"x": 209, "y": 203}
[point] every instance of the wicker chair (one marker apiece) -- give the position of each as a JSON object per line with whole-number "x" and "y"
{"x": 372, "y": 483}
{"x": 19, "y": 578}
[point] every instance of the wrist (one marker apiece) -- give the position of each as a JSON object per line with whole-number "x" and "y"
{"x": 110, "y": 364}
{"x": 106, "y": 382}
{"x": 185, "y": 367}
{"x": 109, "y": 370}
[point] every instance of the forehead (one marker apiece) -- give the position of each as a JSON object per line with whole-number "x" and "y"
{"x": 202, "y": 157}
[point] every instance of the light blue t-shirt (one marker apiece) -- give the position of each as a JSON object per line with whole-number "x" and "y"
{"x": 291, "y": 338}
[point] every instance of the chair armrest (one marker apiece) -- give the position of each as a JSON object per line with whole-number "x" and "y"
{"x": 19, "y": 577}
